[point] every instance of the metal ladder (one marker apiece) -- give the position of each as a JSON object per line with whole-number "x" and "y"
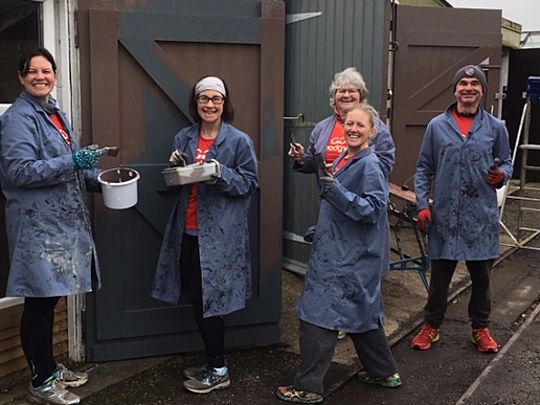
{"x": 527, "y": 204}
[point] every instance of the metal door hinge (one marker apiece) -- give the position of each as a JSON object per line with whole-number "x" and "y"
{"x": 76, "y": 29}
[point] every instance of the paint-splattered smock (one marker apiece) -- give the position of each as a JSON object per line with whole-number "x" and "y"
{"x": 381, "y": 141}
{"x": 465, "y": 217}
{"x": 48, "y": 224}
{"x": 342, "y": 288}
{"x": 223, "y": 225}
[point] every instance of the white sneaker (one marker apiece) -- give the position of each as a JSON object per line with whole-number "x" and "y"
{"x": 69, "y": 378}
{"x": 52, "y": 392}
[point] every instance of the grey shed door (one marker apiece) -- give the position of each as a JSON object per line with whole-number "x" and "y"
{"x": 141, "y": 66}
{"x": 432, "y": 44}
{"x": 323, "y": 38}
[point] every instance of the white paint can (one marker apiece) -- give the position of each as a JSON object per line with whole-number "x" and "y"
{"x": 119, "y": 187}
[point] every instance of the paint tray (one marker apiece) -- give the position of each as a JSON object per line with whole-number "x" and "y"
{"x": 194, "y": 173}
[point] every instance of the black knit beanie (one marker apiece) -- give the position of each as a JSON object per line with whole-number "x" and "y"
{"x": 470, "y": 71}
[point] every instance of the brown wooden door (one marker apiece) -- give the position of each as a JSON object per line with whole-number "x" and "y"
{"x": 432, "y": 44}
{"x": 141, "y": 66}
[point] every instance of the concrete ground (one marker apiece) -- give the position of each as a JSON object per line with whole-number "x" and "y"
{"x": 453, "y": 372}
{"x": 254, "y": 372}
{"x": 158, "y": 380}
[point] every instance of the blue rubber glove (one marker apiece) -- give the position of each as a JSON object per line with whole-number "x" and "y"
{"x": 88, "y": 157}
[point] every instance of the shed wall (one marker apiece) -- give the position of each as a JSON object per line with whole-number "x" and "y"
{"x": 347, "y": 33}
{"x": 323, "y": 38}
{"x": 12, "y": 360}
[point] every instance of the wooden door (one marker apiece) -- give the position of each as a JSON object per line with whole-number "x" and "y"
{"x": 432, "y": 44}
{"x": 141, "y": 64}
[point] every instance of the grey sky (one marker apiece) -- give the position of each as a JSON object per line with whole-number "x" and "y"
{"x": 524, "y": 12}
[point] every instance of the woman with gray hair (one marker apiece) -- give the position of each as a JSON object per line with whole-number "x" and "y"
{"x": 347, "y": 90}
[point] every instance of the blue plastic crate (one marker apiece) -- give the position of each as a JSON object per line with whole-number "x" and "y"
{"x": 533, "y": 88}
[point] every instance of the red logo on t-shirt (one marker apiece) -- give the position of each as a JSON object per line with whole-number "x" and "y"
{"x": 203, "y": 148}
{"x": 336, "y": 143}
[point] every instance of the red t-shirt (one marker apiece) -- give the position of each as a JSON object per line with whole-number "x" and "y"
{"x": 55, "y": 118}
{"x": 464, "y": 123}
{"x": 192, "y": 225}
{"x": 342, "y": 163}
{"x": 336, "y": 143}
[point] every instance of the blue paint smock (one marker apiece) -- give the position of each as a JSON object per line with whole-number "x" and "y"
{"x": 342, "y": 288}
{"x": 381, "y": 141}
{"x": 465, "y": 216}
{"x": 48, "y": 224}
{"x": 223, "y": 224}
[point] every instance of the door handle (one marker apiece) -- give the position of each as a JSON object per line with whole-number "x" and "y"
{"x": 299, "y": 117}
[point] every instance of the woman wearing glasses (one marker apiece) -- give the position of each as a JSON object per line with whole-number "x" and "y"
{"x": 347, "y": 90}
{"x": 208, "y": 228}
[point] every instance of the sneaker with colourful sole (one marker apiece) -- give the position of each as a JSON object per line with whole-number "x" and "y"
{"x": 291, "y": 394}
{"x": 69, "y": 378}
{"x": 208, "y": 381}
{"x": 52, "y": 392}
{"x": 484, "y": 340}
{"x": 392, "y": 381}
{"x": 427, "y": 335}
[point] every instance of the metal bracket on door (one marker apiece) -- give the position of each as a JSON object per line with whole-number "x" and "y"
{"x": 292, "y": 18}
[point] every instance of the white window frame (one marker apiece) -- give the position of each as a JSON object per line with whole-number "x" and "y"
{"x": 56, "y": 29}
{"x": 58, "y": 32}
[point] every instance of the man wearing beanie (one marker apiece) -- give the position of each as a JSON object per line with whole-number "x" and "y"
{"x": 465, "y": 157}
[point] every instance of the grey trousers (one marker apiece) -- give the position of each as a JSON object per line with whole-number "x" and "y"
{"x": 317, "y": 347}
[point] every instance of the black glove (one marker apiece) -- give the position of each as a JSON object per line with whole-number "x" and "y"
{"x": 326, "y": 183}
{"x": 310, "y": 234}
{"x": 322, "y": 168}
{"x": 178, "y": 158}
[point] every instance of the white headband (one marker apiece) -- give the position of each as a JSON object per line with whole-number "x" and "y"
{"x": 210, "y": 83}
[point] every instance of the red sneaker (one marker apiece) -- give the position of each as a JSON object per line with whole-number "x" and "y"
{"x": 427, "y": 335}
{"x": 484, "y": 341}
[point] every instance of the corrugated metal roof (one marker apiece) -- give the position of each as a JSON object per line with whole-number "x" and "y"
{"x": 530, "y": 39}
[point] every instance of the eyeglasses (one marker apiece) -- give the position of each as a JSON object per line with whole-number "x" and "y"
{"x": 217, "y": 100}
{"x": 344, "y": 91}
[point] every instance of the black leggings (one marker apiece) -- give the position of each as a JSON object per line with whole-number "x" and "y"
{"x": 212, "y": 328}
{"x": 37, "y": 337}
